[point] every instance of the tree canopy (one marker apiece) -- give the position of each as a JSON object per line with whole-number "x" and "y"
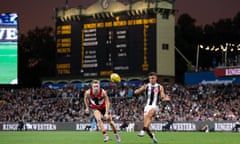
{"x": 36, "y": 56}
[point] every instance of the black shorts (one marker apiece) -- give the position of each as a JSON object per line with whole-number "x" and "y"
{"x": 102, "y": 111}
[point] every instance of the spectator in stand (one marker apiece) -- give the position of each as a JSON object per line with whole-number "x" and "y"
{"x": 189, "y": 103}
{"x": 130, "y": 92}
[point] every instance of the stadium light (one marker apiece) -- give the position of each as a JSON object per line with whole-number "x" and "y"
{"x": 224, "y": 48}
{"x": 197, "y": 56}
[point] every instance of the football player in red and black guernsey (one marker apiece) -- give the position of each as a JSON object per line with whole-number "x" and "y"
{"x": 97, "y": 99}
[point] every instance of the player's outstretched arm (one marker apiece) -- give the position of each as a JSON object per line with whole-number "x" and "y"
{"x": 141, "y": 89}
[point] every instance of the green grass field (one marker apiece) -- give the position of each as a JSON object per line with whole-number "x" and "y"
{"x": 77, "y": 137}
{"x": 8, "y": 62}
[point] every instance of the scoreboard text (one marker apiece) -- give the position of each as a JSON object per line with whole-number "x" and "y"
{"x": 98, "y": 47}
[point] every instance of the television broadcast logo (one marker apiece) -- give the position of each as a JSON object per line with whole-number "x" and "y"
{"x": 8, "y": 27}
{"x": 8, "y": 19}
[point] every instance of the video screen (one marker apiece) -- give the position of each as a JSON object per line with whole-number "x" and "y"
{"x": 8, "y": 48}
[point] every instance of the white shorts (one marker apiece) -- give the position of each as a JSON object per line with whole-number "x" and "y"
{"x": 147, "y": 108}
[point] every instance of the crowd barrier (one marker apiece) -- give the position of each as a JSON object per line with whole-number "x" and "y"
{"x": 156, "y": 126}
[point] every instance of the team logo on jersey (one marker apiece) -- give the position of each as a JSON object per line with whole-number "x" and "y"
{"x": 156, "y": 90}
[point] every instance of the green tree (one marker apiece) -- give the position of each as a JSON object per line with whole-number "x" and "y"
{"x": 236, "y": 24}
{"x": 36, "y": 56}
{"x": 187, "y": 37}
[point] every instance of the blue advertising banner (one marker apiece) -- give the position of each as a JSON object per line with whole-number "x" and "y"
{"x": 193, "y": 78}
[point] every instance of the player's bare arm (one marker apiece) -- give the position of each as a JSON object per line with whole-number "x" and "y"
{"x": 141, "y": 89}
{"x": 107, "y": 104}
{"x": 163, "y": 95}
{"x": 107, "y": 101}
{"x": 86, "y": 102}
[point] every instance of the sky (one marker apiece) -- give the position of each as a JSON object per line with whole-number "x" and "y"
{"x": 39, "y": 13}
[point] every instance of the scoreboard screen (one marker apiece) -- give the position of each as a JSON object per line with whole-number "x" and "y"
{"x": 8, "y": 48}
{"x": 97, "y": 47}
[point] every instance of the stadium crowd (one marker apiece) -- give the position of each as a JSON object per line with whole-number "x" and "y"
{"x": 188, "y": 103}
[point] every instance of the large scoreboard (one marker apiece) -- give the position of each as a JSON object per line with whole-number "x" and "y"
{"x": 8, "y": 49}
{"x": 99, "y": 46}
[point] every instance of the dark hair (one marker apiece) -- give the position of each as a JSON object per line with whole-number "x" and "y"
{"x": 152, "y": 74}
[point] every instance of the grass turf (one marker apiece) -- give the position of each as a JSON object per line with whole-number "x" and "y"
{"x": 77, "y": 137}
